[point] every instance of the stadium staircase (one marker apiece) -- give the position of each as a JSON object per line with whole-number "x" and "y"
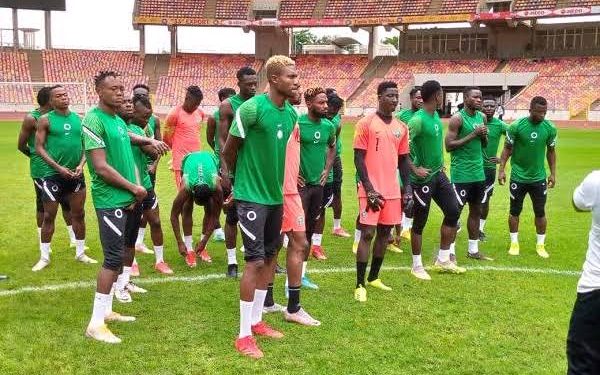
{"x": 156, "y": 66}
{"x": 377, "y": 68}
{"x": 36, "y": 65}
{"x": 579, "y": 111}
{"x": 500, "y": 66}
{"x": 319, "y": 11}
{"x": 563, "y": 3}
{"x": 210, "y": 9}
{"x": 435, "y": 6}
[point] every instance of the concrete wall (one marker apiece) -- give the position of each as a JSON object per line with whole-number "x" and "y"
{"x": 509, "y": 42}
{"x": 271, "y": 41}
{"x": 478, "y": 79}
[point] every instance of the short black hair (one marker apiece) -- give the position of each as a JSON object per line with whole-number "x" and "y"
{"x": 245, "y": 71}
{"x": 335, "y": 101}
{"x": 386, "y": 85}
{"x": 141, "y": 86}
{"x": 143, "y": 100}
{"x": 414, "y": 92}
{"x": 538, "y": 100}
{"x": 201, "y": 194}
{"x": 429, "y": 89}
{"x": 102, "y": 75}
{"x": 330, "y": 90}
{"x": 489, "y": 97}
{"x": 43, "y": 96}
{"x": 195, "y": 92}
{"x": 467, "y": 90}
{"x": 225, "y": 93}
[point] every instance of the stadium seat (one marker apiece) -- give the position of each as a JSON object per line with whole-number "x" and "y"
{"x": 374, "y": 8}
{"x": 233, "y": 9}
{"x": 172, "y": 8}
{"x": 15, "y": 68}
{"x": 293, "y": 9}
{"x": 342, "y": 72}
{"x": 459, "y": 6}
{"x": 534, "y": 4}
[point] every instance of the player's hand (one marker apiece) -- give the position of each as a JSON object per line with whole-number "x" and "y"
{"x": 226, "y": 182}
{"x": 139, "y": 192}
{"x": 161, "y": 147}
{"x": 66, "y": 173}
{"x": 152, "y": 168}
{"x": 78, "y": 171}
{"x": 408, "y": 202}
{"x": 375, "y": 201}
{"x": 228, "y": 201}
{"x": 422, "y": 172}
{"x": 181, "y": 248}
{"x": 551, "y": 181}
{"x": 501, "y": 177}
{"x": 481, "y": 131}
{"x": 494, "y": 159}
{"x": 323, "y": 178}
{"x": 301, "y": 181}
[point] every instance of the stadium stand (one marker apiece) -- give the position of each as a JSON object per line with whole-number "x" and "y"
{"x": 340, "y": 71}
{"x": 458, "y": 6}
{"x": 374, "y": 8}
{"x": 583, "y": 3}
{"x": 81, "y": 65}
{"x": 172, "y": 8}
{"x": 14, "y": 68}
{"x": 534, "y": 4}
{"x": 233, "y": 9}
{"x": 293, "y": 9}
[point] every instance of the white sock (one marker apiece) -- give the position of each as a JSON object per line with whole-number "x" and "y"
{"x": 123, "y": 278}
{"x": 337, "y": 224}
{"x": 257, "y": 306}
{"x": 406, "y": 223}
{"x": 71, "y": 233}
{"x": 473, "y": 246}
{"x": 188, "y": 243}
{"x": 218, "y": 232}
{"x": 514, "y": 237}
{"x": 231, "y": 256}
{"x": 140, "y": 237}
{"x": 316, "y": 239}
{"x": 444, "y": 256}
{"x": 100, "y": 303}
{"x": 286, "y": 241}
{"x": 481, "y": 225}
{"x": 304, "y": 268}
{"x": 158, "y": 254}
{"x": 45, "y": 251}
{"x": 109, "y": 302}
{"x": 541, "y": 239}
{"x": 357, "y": 234}
{"x": 417, "y": 261}
{"x": 39, "y": 235}
{"x": 79, "y": 248}
{"x": 245, "y": 318}
{"x": 453, "y": 248}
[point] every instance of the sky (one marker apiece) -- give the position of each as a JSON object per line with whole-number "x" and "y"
{"x": 106, "y": 24}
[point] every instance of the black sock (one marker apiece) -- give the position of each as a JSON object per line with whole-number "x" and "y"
{"x": 269, "y": 298}
{"x": 361, "y": 269}
{"x": 375, "y": 267}
{"x": 294, "y": 300}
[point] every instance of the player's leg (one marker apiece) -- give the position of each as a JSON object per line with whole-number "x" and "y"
{"x": 231, "y": 221}
{"x": 583, "y": 341}
{"x": 124, "y": 287}
{"x": 152, "y": 213}
{"x": 382, "y": 236}
{"x": 52, "y": 189}
{"x": 538, "y": 193}
{"x": 203, "y": 253}
{"x": 447, "y": 201}
{"x": 311, "y": 197}
{"x": 77, "y": 203}
{"x": 476, "y": 196}
{"x": 422, "y": 196}
{"x": 66, "y": 214}
{"x": 336, "y": 205}
{"x": 362, "y": 257}
{"x": 187, "y": 222}
{"x": 490, "y": 179}
{"x": 39, "y": 207}
{"x": 327, "y": 198}
{"x": 517, "y": 195}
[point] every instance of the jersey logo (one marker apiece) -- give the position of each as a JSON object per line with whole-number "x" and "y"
{"x": 67, "y": 127}
{"x": 317, "y": 136}
{"x": 251, "y": 215}
{"x": 279, "y": 132}
{"x": 397, "y": 133}
{"x": 534, "y": 136}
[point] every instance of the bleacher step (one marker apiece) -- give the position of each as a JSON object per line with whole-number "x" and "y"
{"x": 36, "y": 65}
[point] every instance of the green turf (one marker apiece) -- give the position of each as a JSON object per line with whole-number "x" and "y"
{"x": 486, "y": 322}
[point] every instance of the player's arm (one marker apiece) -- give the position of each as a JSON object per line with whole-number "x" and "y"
{"x": 551, "y": 157}
{"x": 149, "y": 146}
{"x": 244, "y": 121}
{"x": 169, "y": 130}
{"x": 176, "y": 210}
{"x": 41, "y": 135}
{"x": 229, "y": 153}
{"x": 210, "y": 131}
{"x": 330, "y": 158}
{"x": 511, "y": 135}
{"x": 452, "y": 141}
{"x": 157, "y": 133}
{"x": 225, "y": 120}
{"x": 109, "y": 175}
{"x": 27, "y": 128}
{"x": 587, "y": 194}
{"x": 211, "y": 217}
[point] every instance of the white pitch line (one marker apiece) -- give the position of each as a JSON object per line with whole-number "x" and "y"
{"x": 215, "y": 276}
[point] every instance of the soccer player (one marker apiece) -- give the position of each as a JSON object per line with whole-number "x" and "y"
{"x": 138, "y": 124}
{"x": 247, "y": 83}
{"x": 380, "y": 149}
{"x": 496, "y": 129}
{"x": 255, "y": 152}
{"x": 200, "y": 185}
{"x": 182, "y": 134}
{"x": 26, "y": 144}
{"x": 317, "y": 153}
{"x": 528, "y": 140}
{"x": 429, "y": 182}
{"x": 465, "y": 140}
{"x": 58, "y": 144}
{"x": 583, "y": 345}
{"x": 115, "y": 191}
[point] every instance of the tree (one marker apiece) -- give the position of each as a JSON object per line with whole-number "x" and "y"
{"x": 305, "y": 36}
{"x": 393, "y": 41}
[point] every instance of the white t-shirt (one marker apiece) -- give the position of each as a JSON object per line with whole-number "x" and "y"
{"x": 587, "y": 197}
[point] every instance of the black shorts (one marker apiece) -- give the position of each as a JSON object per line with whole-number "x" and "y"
{"x": 537, "y": 192}
{"x": 312, "y": 204}
{"x": 583, "y": 339}
{"x": 328, "y": 191}
{"x": 261, "y": 229}
{"x": 469, "y": 192}
{"x": 57, "y": 189}
{"x": 490, "y": 180}
{"x": 118, "y": 229}
{"x": 338, "y": 173}
{"x": 150, "y": 202}
{"x": 441, "y": 191}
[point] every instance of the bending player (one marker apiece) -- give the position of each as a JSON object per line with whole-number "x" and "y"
{"x": 380, "y": 149}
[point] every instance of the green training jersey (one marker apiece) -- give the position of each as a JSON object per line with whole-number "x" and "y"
{"x": 426, "y": 136}
{"x": 265, "y": 130}
{"x": 199, "y": 168}
{"x": 63, "y": 142}
{"x": 315, "y": 137}
{"x": 109, "y": 132}
{"x": 236, "y": 101}
{"x": 151, "y": 127}
{"x": 140, "y": 158}
{"x": 496, "y": 129}
{"x": 466, "y": 162}
{"x": 529, "y": 142}
{"x": 405, "y": 115}
{"x": 36, "y": 163}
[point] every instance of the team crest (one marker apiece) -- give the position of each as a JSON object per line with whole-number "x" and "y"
{"x": 397, "y": 133}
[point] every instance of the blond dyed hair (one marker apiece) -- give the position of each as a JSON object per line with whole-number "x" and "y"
{"x": 276, "y": 64}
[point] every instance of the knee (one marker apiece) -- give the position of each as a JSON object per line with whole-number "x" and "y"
{"x": 368, "y": 234}
{"x": 154, "y": 223}
{"x": 113, "y": 263}
{"x": 451, "y": 217}
{"x": 539, "y": 211}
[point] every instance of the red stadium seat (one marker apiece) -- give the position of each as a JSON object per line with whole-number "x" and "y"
{"x": 375, "y": 8}
{"x": 342, "y": 72}
{"x": 290, "y": 9}
{"x": 233, "y": 9}
{"x": 459, "y": 6}
{"x": 15, "y": 68}
{"x": 534, "y": 4}
{"x": 172, "y": 8}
